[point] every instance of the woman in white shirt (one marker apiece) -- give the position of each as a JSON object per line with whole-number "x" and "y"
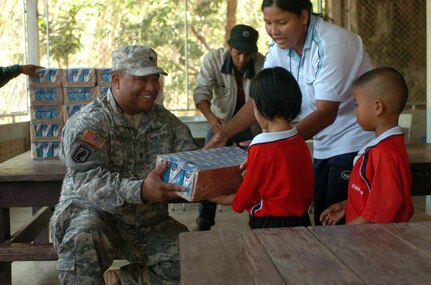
{"x": 324, "y": 59}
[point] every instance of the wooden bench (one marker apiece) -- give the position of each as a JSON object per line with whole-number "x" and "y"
{"x": 21, "y": 246}
{"x": 27, "y": 252}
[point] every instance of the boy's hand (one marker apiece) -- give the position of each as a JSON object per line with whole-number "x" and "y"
{"x": 243, "y": 167}
{"x": 333, "y": 214}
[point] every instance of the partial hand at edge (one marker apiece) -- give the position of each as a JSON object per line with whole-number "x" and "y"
{"x": 153, "y": 188}
{"x": 218, "y": 140}
{"x": 243, "y": 167}
{"x": 30, "y": 69}
{"x": 333, "y": 214}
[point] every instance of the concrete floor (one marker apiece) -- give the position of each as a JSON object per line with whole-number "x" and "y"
{"x": 45, "y": 273}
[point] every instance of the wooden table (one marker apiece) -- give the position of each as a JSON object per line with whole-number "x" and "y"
{"x": 25, "y": 182}
{"x": 366, "y": 254}
{"x": 420, "y": 165}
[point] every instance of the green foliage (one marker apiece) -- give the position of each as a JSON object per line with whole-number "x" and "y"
{"x": 66, "y": 26}
{"x": 11, "y": 32}
{"x": 84, "y": 34}
{"x": 161, "y": 25}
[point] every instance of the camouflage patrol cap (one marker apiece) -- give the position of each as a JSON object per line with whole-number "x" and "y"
{"x": 137, "y": 60}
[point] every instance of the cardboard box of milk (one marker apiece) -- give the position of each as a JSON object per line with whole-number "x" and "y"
{"x": 205, "y": 173}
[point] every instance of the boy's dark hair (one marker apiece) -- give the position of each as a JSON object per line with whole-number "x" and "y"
{"x": 276, "y": 94}
{"x": 373, "y": 73}
{"x": 395, "y": 82}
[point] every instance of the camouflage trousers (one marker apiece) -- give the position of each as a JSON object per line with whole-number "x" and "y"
{"x": 88, "y": 240}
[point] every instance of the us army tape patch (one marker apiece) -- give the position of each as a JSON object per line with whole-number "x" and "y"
{"x": 81, "y": 154}
{"x": 93, "y": 139}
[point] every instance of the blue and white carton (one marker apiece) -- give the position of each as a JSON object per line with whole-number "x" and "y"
{"x": 204, "y": 173}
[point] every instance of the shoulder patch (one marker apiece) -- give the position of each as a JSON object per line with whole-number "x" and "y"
{"x": 93, "y": 139}
{"x": 81, "y": 154}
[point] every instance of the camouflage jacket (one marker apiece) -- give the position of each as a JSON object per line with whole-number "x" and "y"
{"x": 107, "y": 158}
{"x": 7, "y": 73}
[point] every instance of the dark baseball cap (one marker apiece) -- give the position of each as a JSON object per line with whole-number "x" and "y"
{"x": 243, "y": 38}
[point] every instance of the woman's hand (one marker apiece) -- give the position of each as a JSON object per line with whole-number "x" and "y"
{"x": 215, "y": 124}
{"x": 218, "y": 140}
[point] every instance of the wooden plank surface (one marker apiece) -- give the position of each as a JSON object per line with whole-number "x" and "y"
{"x": 420, "y": 165}
{"x": 225, "y": 257}
{"x": 302, "y": 259}
{"x": 24, "y": 168}
{"x": 29, "y": 193}
{"x": 419, "y": 153}
{"x": 417, "y": 234}
{"x": 376, "y": 255}
{"x": 27, "y": 252}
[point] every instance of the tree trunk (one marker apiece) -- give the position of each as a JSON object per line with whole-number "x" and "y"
{"x": 231, "y": 18}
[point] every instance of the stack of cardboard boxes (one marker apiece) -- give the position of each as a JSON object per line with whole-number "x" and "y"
{"x": 55, "y": 95}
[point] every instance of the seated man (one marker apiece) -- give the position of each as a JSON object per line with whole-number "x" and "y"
{"x": 113, "y": 200}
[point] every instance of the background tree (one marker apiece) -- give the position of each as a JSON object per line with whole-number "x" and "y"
{"x": 83, "y": 34}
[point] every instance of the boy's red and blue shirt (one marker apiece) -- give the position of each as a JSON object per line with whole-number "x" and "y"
{"x": 380, "y": 183}
{"x": 279, "y": 178}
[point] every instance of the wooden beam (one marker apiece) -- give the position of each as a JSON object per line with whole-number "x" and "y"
{"x": 37, "y": 223}
{"x": 27, "y": 252}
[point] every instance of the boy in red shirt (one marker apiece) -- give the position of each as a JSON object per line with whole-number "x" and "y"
{"x": 278, "y": 187}
{"x": 379, "y": 186}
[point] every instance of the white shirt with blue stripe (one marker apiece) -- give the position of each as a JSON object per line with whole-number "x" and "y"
{"x": 332, "y": 58}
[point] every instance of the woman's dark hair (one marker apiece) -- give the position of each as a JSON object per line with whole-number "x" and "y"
{"x": 276, "y": 94}
{"x": 295, "y": 7}
{"x": 292, "y": 6}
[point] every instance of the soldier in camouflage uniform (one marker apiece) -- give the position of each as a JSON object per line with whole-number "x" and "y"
{"x": 113, "y": 202}
{"x": 9, "y": 72}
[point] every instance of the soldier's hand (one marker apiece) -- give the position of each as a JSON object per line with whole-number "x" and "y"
{"x": 155, "y": 190}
